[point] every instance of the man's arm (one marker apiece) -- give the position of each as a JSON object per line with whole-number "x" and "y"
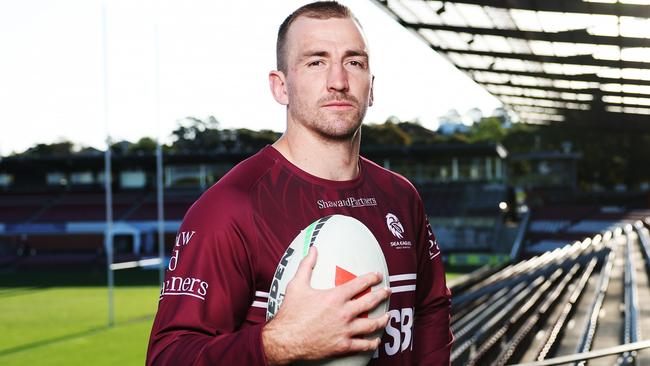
{"x": 315, "y": 324}
{"x": 432, "y": 334}
{"x": 208, "y": 291}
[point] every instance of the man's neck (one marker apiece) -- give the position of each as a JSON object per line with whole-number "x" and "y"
{"x": 327, "y": 159}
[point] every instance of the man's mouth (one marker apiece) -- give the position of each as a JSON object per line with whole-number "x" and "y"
{"x": 338, "y": 105}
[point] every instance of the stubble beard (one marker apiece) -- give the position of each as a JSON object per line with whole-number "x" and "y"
{"x": 329, "y": 125}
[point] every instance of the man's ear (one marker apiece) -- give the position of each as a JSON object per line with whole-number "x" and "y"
{"x": 372, "y": 87}
{"x": 278, "y": 84}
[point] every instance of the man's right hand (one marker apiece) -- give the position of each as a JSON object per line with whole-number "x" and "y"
{"x": 315, "y": 324}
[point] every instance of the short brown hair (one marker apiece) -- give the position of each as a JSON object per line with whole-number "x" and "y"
{"x": 316, "y": 10}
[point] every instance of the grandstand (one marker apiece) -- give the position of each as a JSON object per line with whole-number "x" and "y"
{"x": 69, "y": 226}
{"x": 462, "y": 187}
{"x": 553, "y": 226}
{"x": 55, "y": 206}
{"x": 550, "y": 63}
{"x": 52, "y": 209}
{"x": 560, "y": 305}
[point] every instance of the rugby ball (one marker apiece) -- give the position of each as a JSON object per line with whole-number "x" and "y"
{"x": 346, "y": 249}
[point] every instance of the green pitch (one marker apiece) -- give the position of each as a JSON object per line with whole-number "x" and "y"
{"x": 60, "y": 317}
{"x": 55, "y": 318}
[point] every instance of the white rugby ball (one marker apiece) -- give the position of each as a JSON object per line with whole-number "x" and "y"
{"x": 346, "y": 249}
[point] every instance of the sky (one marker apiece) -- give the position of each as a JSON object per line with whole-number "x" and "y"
{"x": 213, "y": 59}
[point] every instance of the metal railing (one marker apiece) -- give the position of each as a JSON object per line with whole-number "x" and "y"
{"x": 497, "y": 319}
{"x": 616, "y": 350}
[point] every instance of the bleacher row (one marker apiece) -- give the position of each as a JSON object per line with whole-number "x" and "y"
{"x": 75, "y": 206}
{"x": 449, "y": 200}
{"x": 439, "y": 199}
{"x": 553, "y": 226}
{"x": 67, "y": 228}
{"x": 571, "y": 300}
{"x": 70, "y": 222}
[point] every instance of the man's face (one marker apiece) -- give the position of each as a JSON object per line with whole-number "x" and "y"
{"x": 328, "y": 79}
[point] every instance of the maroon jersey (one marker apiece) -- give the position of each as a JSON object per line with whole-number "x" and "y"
{"x": 213, "y": 302}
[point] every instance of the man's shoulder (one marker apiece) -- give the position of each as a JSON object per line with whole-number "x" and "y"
{"x": 244, "y": 176}
{"x": 385, "y": 176}
{"x": 231, "y": 194}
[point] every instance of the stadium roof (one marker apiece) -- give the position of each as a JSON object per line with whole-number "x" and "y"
{"x": 578, "y": 61}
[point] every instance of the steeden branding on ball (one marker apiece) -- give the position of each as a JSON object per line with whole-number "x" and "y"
{"x": 346, "y": 249}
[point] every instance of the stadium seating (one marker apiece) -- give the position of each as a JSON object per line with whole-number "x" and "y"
{"x": 552, "y": 304}
{"x": 556, "y": 225}
{"x": 38, "y": 228}
{"x": 21, "y": 207}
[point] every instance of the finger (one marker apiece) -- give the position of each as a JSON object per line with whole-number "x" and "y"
{"x": 368, "y": 301}
{"x": 306, "y": 267}
{"x": 363, "y": 326}
{"x": 364, "y": 345}
{"x": 353, "y": 287}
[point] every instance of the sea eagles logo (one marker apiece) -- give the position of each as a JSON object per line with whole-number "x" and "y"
{"x": 395, "y": 226}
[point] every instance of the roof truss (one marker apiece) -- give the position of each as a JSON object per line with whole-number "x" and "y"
{"x": 585, "y": 83}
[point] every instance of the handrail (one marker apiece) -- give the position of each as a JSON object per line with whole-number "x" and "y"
{"x": 590, "y": 355}
{"x": 464, "y": 282}
{"x": 644, "y": 240}
{"x": 591, "y": 321}
{"x": 475, "y": 321}
{"x": 490, "y": 318}
{"x": 531, "y": 306}
{"x": 573, "y": 251}
{"x": 521, "y": 232}
{"x": 546, "y": 269}
{"x": 568, "y": 309}
{"x": 510, "y": 349}
{"x": 478, "y": 310}
{"x": 495, "y": 316}
{"x": 631, "y": 302}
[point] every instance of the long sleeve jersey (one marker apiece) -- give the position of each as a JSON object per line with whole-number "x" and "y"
{"x": 213, "y": 301}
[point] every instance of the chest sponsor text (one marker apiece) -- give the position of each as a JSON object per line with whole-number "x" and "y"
{"x": 347, "y": 202}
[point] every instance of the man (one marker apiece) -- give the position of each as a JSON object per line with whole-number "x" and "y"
{"x": 212, "y": 304}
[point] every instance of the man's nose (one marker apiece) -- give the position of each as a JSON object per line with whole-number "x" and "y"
{"x": 337, "y": 78}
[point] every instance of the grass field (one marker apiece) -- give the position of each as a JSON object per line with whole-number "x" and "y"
{"x": 60, "y": 317}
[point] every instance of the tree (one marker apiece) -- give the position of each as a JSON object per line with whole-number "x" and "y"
{"x": 196, "y": 135}
{"x": 488, "y": 129}
{"x": 249, "y": 140}
{"x": 387, "y": 133}
{"x": 142, "y": 146}
{"x": 418, "y": 134}
{"x": 62, "y": 148}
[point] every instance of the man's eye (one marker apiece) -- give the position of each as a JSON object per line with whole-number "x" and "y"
{"x": 357, "y": 64}
{"x": 315, "y": 63}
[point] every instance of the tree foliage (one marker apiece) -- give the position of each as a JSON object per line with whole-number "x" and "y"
{"x": 386, "y": 134}
{"x": 143, "y": 146}
{"x": 488, "y": 129}
{"x": 62, "y": 148}
{"x": 609, "y": 157}
{"x": 196, "y": 135}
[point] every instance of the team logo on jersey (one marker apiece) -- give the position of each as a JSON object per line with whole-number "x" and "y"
{"x": 395, "y": 226}
{"x": 397, "y": 229}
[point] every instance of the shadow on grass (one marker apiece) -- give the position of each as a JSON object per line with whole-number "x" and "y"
{"x": 21, "y": 291}
{"x": 68, "y": 337}
{"x": 75, "y": 277}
